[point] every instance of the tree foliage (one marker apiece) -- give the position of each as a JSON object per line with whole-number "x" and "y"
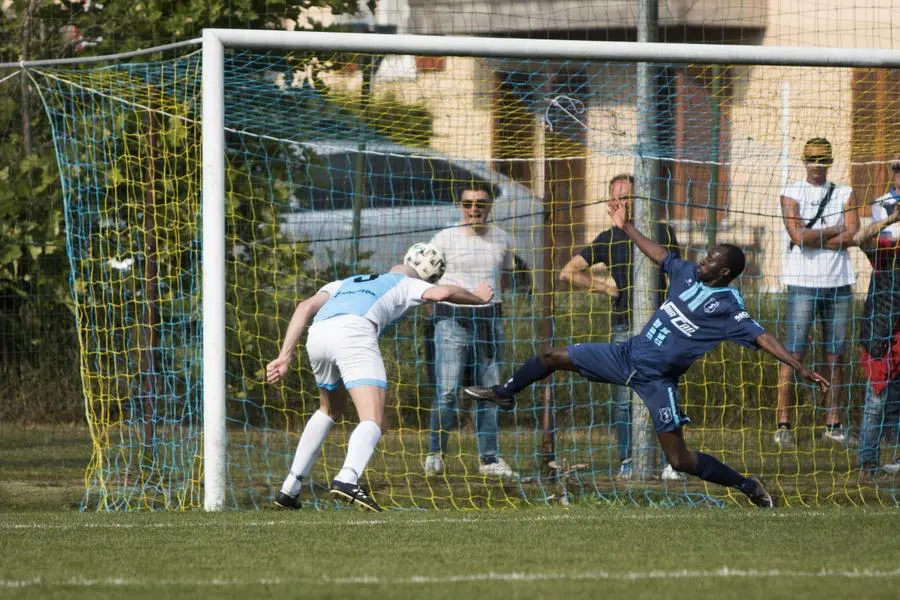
{"x": 36, "y": 294}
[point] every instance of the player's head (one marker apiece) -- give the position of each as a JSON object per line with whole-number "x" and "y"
{"x": 721, "y": 265}
{"x": 426, "y": 261}
{"x": 475, "y": 203}
{"x": 621, "y": 187}
{"x": 817, "y": 157}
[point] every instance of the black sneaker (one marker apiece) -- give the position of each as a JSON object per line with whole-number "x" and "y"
{"x": 759, "y": 495}
{"x": 489, "y": 394}
{"x": 287, "y": 501}
{"x": 353, "y": 494}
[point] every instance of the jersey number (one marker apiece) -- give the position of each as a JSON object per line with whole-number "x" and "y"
{"x": 365, "y": 278}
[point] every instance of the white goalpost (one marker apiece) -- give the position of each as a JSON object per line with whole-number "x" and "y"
{"x": 216, "y": 41}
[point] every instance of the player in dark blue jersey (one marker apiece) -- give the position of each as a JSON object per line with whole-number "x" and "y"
{"x": 700, "y": 311}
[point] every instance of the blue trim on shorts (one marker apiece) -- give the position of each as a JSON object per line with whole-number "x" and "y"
{"x": 358, "y": 382}
{"x": 329, "y": 386}
{"x": 673, "y": 407}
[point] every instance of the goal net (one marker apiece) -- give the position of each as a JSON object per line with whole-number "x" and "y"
{"x": 335, "y": 162}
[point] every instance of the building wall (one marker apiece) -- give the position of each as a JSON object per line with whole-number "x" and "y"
{"x": 773, "y": 112}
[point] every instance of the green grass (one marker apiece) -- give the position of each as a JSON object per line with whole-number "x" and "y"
{"x": 50, "y": 550}
{"x": 44, "y": 467}
{"x": 585, "y": 552}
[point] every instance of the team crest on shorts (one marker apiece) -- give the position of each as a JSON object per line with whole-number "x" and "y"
{"x": 665, "y": 414}
{"x": 711, "y": 306}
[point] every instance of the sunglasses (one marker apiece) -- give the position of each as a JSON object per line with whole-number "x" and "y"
{"x": 895, "y": 167}
{"x": 475, "y": 203}
{"x": 818, "y": 160}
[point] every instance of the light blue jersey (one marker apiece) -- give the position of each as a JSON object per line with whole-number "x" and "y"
{"x": 382, "y": 299}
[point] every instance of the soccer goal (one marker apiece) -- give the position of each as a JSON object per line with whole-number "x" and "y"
{"x": 211, "y": 187}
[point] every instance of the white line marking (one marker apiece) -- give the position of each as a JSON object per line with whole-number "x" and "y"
{"x": 412, "y": 519}
{"x": 513, "y": 576}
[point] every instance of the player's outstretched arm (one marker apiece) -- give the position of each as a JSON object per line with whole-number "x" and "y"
{"x": 453, "y": 293}
{"x": 619, "y": 213}
{"x": 770, "y": 344}
{"x": 306, "y": 310}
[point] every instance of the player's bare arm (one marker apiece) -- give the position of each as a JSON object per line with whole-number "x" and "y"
{"x": 799, "y": 234}
{"x": 578, "y": 272}
{"x": 453, "y": 293}
{"x": 864, "y": 236}
{"x": 619, "y": 213}
{"x": 305, "y": 311}
{"x": 770, "y": 344}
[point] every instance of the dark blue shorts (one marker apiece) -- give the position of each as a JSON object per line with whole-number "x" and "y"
{"x": 610, "y": 363}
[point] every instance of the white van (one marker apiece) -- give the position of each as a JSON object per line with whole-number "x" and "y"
{"x": 408, "y": 195}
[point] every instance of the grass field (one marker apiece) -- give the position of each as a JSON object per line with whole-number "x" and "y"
{"x": 50, "y": 550}
{"x": 618, "y": 553}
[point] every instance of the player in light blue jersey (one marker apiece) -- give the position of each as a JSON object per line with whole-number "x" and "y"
{"x": 342, "y": 345}
{"x": 699, "y": 313}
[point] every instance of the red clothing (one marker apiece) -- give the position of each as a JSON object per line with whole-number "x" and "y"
{"x": 885, "y": 259}
{"x": 885, "y": 256}
{"x": 879, "y": 371}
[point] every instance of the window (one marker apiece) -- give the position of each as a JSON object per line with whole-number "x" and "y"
{"x": 690, "y": 101}
{"x": 874, "y": 136}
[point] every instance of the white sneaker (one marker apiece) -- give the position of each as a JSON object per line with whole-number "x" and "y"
{"x": 892, "y": 467}
{"x": 498, "y": 469}
{"x": 625, "y": 471}
{"x": 840, "y": 436}
{"x": 434, "y": 464}
{"x": 784, "y": 438}
{"x": 670, "y": 474}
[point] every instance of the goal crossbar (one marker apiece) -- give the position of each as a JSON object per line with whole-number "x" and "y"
{"x": 555, "y": 49}
{"x": 214, "y": 42}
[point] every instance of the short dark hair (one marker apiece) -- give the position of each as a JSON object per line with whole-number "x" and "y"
{"x": 474, "y": 186}
{"x": 622, "y": 177}
{"x": 734, "y": 259}
{"x": 824, "y": 158}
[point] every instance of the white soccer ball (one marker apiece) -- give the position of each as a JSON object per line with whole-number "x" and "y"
{"x": 427, "y": 260}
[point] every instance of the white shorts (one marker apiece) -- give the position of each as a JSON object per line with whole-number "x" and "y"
{"x": 345, "y": 347}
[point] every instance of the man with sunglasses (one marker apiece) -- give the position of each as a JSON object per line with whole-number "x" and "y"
{"x": 613, "y": 248}
{"x": 880, "y": 327}
{"x": 820, "y": 220}
{"x": 470, "y": 338}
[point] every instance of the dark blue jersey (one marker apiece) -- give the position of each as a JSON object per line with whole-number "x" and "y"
{"x": 693, "y": 320}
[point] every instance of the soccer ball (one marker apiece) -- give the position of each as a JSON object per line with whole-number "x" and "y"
{"x": 427, "y": 260}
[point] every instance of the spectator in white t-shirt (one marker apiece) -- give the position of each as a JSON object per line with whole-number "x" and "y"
{"x": 470, "y": 338}
{"x": 820, "y": 220}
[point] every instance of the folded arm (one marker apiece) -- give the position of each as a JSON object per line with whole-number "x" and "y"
{"x": 850, "y": 228}
{"x": 799, "y": 234}
{"x": 578, "y": 272}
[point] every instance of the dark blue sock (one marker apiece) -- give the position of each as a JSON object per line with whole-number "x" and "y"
{"x": 712, "y": 470}
{"x": 533, "y": 370}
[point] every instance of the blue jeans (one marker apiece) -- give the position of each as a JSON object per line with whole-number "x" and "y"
{"x": 622, "y": 402}
{"x": 881, "y": 412}
{"x": 832, "y": 307}
{"x": 456, "y": 347}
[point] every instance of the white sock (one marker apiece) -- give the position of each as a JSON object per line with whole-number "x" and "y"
{"x": 308, "y": 447}
{"x": 360, "y": 448}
